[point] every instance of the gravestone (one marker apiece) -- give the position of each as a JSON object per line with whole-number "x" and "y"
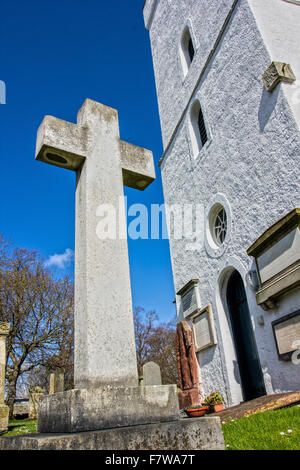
{"x": 4, "y": 410}
{"x": 106, "y": 395}
{"x": 151, "y": 374}
{"x": 35, "y": 394}
{"x": 56, "y": 383}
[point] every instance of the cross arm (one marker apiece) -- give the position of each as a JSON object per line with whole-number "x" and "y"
{"x": 137, "y": 166}
{"x": 61, "y": 143}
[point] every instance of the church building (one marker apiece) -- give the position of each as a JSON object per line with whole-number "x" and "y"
{"x": 228, "y": 86}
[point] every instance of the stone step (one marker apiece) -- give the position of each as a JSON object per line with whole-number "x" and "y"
{"x": 264, "y": 403}
{"x": 187, "y": 434}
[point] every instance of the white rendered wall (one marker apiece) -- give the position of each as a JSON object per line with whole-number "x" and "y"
{"x": 279, "y": 24}
{"x": 252, "y": 162}
{"x": 168, "y": 23}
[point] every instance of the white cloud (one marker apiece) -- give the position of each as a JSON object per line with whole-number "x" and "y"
{"x": 60, "y": 261}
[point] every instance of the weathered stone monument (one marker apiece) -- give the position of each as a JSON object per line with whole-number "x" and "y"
{"x": 107, "y": 402}
{"x": 4, "y": 410}
{"x": 151, "y": 374}
{"x": 187, "y": 366}
{"x": 35, "y": 394}
{"x": 103, "y": 163}
{"x": 57, "y": 382}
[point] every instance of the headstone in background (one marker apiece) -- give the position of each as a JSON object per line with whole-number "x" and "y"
{"x": 57, "y": 382}
{"x": 151, "y": 373}
{"x": 35, "y": 394}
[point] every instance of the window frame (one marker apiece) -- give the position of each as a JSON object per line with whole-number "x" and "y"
{"x": 194, "y": 128}
{"x": 187, "y": 36}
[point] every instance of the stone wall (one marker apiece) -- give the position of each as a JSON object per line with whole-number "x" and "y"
{"x": 21, "y": 408}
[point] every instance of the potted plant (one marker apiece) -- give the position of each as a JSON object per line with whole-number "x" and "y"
{"x": 196, "y": 411}
{"x": 214, "y": 401}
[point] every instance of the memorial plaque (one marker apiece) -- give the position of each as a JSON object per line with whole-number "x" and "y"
{"x": 287, "y": 334}
{"x": 189, "y": 298}
{"x": 189, "y": 301}
{"x": 203, "y": 329}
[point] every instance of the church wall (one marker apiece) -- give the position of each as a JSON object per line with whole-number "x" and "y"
{"x": 166, "y": 28}
{"x": 279, "y": 22}
{"x": 250, "y": 162}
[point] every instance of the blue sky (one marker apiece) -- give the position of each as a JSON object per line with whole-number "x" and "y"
{"x": 53, "y": 55}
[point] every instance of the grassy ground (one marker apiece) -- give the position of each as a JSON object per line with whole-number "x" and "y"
{"x": 25, "y": 426}
{"x": 271, "y": 430}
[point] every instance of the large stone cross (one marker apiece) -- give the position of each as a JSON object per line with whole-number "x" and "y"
{"x": 104, "y": 331}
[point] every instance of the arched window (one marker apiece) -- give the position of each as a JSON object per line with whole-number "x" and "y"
{"x": 197, "y": 128}
{"x": 201, "y": 126}
{"x": 191, "y": 49}
{"x": 187, "y": 50}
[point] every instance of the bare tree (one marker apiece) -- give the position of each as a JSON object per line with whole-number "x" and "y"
{"x": 62, "y": 360}
{"x": 155, "y": 342}
{"x": 144, "y": 325}
{"x": 39, "y": 309}
{"x": 162, "y": 346}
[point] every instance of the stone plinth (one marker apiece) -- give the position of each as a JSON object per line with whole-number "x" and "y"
{"x": 107, "y": 407}
{"x": 184, "y": 434}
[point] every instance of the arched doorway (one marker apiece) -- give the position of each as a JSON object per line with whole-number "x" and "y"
{"x": 248, "y": 360}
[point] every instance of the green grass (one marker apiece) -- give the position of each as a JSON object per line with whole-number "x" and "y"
{"x": 25, "y": 426}
{"x": 262, "y": 431}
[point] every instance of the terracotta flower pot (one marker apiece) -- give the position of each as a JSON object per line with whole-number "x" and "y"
{"x": 196, "y": 412}
{"x": 216, "y": 408}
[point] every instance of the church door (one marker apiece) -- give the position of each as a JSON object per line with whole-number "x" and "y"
{"x": 244, "y": 341}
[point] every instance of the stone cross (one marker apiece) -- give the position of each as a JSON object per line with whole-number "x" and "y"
{"x": 4, "y": 410}
{"x": 104, "y": 331}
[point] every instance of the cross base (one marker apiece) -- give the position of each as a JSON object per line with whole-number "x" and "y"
{"x": 107, "y": 407}
{"x": 183, "y": 434}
